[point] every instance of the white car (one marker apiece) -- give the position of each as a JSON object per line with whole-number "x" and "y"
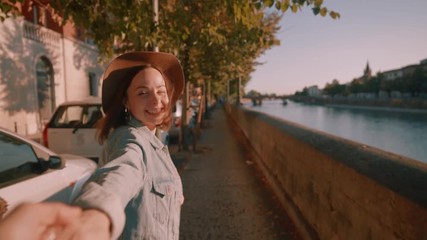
{"x": 72, "y": 128}
{"x": 29, "y": 172}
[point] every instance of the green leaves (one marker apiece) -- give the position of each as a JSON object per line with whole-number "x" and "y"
{"x": 316, "y": 10}
{"x": 297, "y": 5}
{"x": 323, "y": 11}
{"x": 334, "y": 15}
{"x": 9, "y": 8}
{"x": 294, "y": 8}
{"x": 268, "y": 3}
{"x": 211, "y": 37}
{"x": 318, "y": 3}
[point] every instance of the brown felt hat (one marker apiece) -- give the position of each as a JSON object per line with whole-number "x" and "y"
{"x": 117, "y": 70}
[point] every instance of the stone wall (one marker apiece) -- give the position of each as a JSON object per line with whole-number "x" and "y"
{"x": 335, "y": 188}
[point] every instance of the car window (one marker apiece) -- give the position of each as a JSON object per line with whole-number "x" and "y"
{"x": 17, "y": 159}
{"x": 68, "y": 116}
{"x": 76, "y": 116}
{"x": 92, "y": 115}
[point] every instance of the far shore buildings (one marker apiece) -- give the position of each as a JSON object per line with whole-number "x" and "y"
{"x": 42, "y": 64}
{"x": 314, "y": 91}
{"x": 390, "y": 75}
{"x": 404, "y": 71}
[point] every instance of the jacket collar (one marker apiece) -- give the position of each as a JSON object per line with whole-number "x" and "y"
{"x": 146, "y": 133}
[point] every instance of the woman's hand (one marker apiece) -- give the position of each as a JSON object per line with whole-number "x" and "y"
{"x": 38, "y": 221}
{"x": 92, "y": 224}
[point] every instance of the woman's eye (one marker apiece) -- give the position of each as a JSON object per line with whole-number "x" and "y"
{"x": 142, "y": 93}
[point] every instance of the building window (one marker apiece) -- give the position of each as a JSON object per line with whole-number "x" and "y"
{"x": 93, "y": 85}
{"x": 45, "y": 88}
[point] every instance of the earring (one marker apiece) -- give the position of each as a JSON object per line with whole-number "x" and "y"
{"x": 128, "y": 117}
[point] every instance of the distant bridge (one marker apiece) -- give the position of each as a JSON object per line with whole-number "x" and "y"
{"x": 257, "y": 100}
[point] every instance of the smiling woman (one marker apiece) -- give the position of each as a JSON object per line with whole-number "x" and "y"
{"x": 147, "y": 99}
{"x": 140, "y": 188}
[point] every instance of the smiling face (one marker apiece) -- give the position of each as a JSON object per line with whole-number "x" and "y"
{"x": 147, "y": 97}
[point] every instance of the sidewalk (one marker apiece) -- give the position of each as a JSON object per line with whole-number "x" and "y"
{"x": 225, "y": 195}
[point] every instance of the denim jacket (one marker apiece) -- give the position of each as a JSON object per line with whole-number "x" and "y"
{"x": 137, "y": 185}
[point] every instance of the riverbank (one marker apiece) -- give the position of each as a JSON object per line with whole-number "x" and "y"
{"x": 332, "y": 187}
{"x": 392, "y": 109}
{"x": 412, "y": 105}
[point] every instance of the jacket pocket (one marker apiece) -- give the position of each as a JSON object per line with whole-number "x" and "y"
{"x": 163, "y": 192}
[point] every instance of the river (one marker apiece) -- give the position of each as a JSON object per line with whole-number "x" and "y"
{"x": 398, "y": 131}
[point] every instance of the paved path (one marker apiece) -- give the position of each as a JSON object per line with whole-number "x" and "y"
{"x": 225, "y": 195}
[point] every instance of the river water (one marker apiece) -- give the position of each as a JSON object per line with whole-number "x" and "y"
{"x": 398, "y": 131}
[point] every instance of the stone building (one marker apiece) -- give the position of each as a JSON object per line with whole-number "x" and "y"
{"x": 42, "y": 64}
{"x": 314, "y": 91}
{"x": 404, "y": 71}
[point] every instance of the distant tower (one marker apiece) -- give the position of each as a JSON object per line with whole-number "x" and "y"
{"x": 367, "y": 74}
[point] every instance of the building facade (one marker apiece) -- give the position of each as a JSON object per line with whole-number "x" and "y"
{"x": 314, "y": 91}
{"x": 405, "y": 71}
{"x": 42, "y": 64}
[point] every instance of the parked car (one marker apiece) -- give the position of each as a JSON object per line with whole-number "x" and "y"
{"x": 29, "y": 172}
{"x": 72, "y": 128}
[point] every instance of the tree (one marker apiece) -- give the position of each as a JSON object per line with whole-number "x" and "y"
{"x": 216, "y": 41}
{"x": 374, "y": 83}
{"x": 334, "y": 88}
{"x": 9, "y": 8}
{"x": 386, "y": 86}
{"x": 356, "y": 86}
{"x": 418, "y": 82}
{"x": 238, "y": 31}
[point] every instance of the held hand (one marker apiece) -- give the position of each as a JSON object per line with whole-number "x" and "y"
{"x": 38, "y": 220}
{"x": 93, "y": 224}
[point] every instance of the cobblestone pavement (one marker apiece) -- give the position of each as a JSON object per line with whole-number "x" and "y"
{"x": 226, "y": 197}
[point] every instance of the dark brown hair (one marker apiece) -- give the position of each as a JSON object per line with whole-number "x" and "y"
{"x": 116, "y": 117}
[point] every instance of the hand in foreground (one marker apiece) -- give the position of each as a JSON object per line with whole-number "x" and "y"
{"x": 92, "y": 224}
{"x": 38, "y": 221}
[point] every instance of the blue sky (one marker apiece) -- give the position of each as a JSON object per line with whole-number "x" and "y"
{"x": 315, "y": 50}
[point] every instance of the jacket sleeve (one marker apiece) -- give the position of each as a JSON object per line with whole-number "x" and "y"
{"x": 111, "y": 187}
